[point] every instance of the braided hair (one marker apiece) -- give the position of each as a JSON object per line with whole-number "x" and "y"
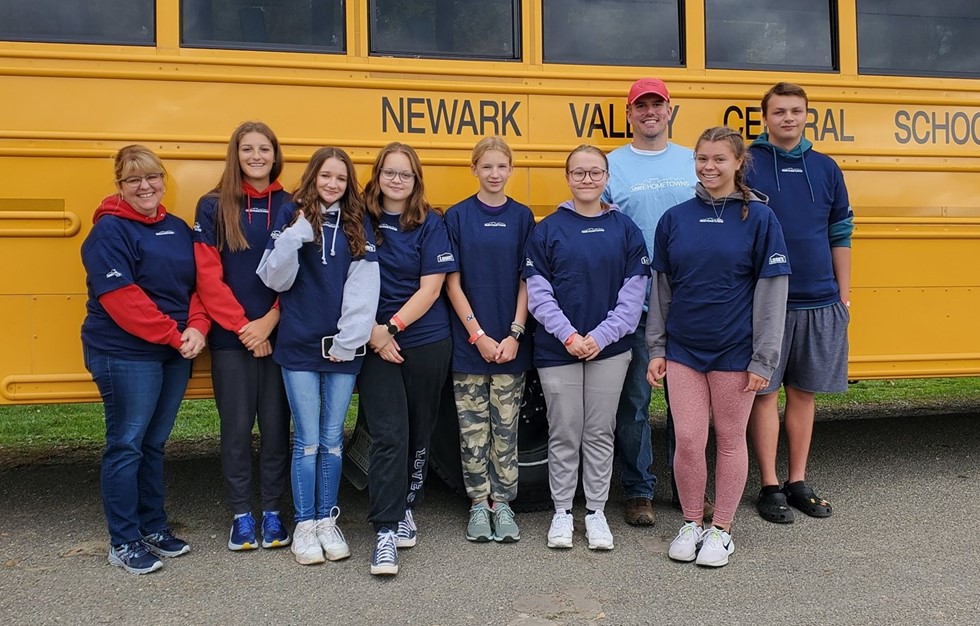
{"x": 737, "y": 144}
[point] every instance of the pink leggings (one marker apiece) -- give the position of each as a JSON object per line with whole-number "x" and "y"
{"x": 692, "y": 396}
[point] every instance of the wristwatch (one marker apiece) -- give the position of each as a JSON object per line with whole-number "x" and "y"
{"x": 516, "y": 334}
{"x": 392, "y": 328}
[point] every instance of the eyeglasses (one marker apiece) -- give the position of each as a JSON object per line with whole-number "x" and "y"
{"x": 134, "y": 182}
{"x": 389, "y": 174}
{"x": 596, "y": 174}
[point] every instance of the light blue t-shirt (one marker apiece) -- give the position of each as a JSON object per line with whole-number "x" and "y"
{"x": 645, "y": 185}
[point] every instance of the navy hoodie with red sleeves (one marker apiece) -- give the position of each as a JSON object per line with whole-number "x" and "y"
{"x": 141, "y": 281}
{"x": 229, "y": 288}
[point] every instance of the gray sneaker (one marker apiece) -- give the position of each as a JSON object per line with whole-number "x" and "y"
{"x": 505, "y": 528}
{"x": 479, "y": 529}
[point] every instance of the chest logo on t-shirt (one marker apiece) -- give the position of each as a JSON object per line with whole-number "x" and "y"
{"x": 445, "y": 257}
{"x": 384, "y": 226}
{"x": 791, "y": 170}
{"x": 586, "y": 231}
{"x": 160, "y": 233}
{"x": 655, "y": 184}
{"x": 495, "y": 225}
{"x": 113, "y": 273}
{"x": 777, "y": 258}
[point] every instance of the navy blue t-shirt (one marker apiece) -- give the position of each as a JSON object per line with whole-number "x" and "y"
{"x": 239, "y": 267}
{"x": 311, "y": 308}
{"x": 404, "y": 257}
{"x": 158, "y": 258}
{"x": 713, "y": 267}
{"x": 586, "y": 260}
{"x": 489, "y": 248}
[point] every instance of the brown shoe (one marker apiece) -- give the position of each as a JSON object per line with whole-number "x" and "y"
{"x": 639, "y": 512}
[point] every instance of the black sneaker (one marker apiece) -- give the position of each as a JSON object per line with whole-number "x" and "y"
{"x": 134, "y": 557}
{"x": 163, "y": 543}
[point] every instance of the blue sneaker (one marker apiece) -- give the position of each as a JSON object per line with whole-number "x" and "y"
{"x": 384, "y": 559}
{"x": 163, "y": 543}
{"x": 134, "y": 557}
{"x": 274, "y": 534}
{"x": 242, "y": 535}
{"x": 407, "y": 534}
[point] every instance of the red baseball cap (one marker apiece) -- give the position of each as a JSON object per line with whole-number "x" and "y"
{"x": 646, "y": 86}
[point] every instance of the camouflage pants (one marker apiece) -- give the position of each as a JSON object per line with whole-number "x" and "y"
{"x": 488, "y": 407}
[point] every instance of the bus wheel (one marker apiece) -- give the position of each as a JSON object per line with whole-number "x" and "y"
{"x": 533, "y": 491}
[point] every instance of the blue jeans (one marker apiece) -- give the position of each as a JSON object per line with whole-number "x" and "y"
{"x": 141, "y": 399}
{"x": 633, "y": 446}
{"x": 319, "y": 402}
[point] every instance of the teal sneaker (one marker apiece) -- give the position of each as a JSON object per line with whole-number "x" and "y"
{"x": 479, "y": 529}
{"x": 505, "y": 528}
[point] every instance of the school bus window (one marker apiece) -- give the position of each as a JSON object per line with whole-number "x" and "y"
{"x": 770, "y": 34}
{"x": 925, "y": 39}
{"x": 464, "y": 29}
{"x": 314, "y": 25}
{"x": 613, "y": 32}
{"x": 122, "y": 22}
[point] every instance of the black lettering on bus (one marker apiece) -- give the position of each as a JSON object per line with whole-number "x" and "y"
{"x": 902, "y": 119}
{"x": 397, "y": 119}
{"x": 442, "y": 116}
{"x": 415, "y": 115}
{"x": 811, "y": 123}
{"x": 507, "y": 119}
{"x": 843, "y": 134}
{"x": 598, "y": 122}
{"x": 670, "y": 123}
{"x": 733, "y": 111}
{"x": 753, "y": 119}
{"x": 936, "y": 127}
{"x": 965, "y": 138}
{"x": 920, "y": 115}
{"x": 452, "y": 117}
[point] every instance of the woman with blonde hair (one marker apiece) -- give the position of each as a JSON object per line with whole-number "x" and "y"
{"x": 144, "y": 325}
{"x": 488, "y": 232}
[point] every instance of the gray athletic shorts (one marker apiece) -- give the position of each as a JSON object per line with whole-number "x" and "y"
{"x": 814, "y": 353}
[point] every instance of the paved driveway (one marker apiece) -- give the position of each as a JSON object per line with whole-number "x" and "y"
{"x": 902, "y": 548}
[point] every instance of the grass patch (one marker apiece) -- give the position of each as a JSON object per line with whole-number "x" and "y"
{"x": 72, "y": 426}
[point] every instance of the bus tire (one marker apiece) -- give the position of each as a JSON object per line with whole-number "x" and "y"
{"x": 533, "y": 490}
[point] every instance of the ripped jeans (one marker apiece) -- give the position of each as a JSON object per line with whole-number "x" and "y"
{"x": 319, "y": 402}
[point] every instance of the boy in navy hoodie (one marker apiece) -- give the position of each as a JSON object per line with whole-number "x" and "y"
{"x": 807, "y": 193}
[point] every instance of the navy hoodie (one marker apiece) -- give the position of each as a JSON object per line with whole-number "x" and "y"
{"x": 807, "y": 193}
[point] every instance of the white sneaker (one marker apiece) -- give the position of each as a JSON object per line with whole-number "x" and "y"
{"x": 716, "y": 545}
{"x": 305, "y": 545}
{"x": 597, "y": 531}
{"x": 330, "y": 537}
{"x": 560, "y": 533}
{"x": 684, "y": 547}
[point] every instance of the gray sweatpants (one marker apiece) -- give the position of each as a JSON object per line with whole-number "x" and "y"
{"x": 582, "y": 400}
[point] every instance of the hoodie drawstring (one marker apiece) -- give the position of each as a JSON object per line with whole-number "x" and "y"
{"x": 807, "y": 175}
{"x": 334, "y": 208}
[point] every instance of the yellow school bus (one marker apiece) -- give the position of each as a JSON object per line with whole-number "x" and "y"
{"x": 894, "y": 98}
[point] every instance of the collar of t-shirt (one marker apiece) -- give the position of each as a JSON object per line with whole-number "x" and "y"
{"x": 648, "y": 152}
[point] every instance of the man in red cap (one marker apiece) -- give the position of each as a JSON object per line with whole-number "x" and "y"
{"x": 646, "y": 177}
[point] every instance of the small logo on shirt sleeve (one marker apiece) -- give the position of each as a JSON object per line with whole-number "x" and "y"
{"x": 370, "y": 247}
{"x": 197, "y": 227}
{"x": 777, "y": 258}
{"x": 645, "y": 260}
{"x": 113, "y": 273}
{"x": 275, "y": 234}
{"x": 445, "y": 257}
{"x": 528, "y": 262}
